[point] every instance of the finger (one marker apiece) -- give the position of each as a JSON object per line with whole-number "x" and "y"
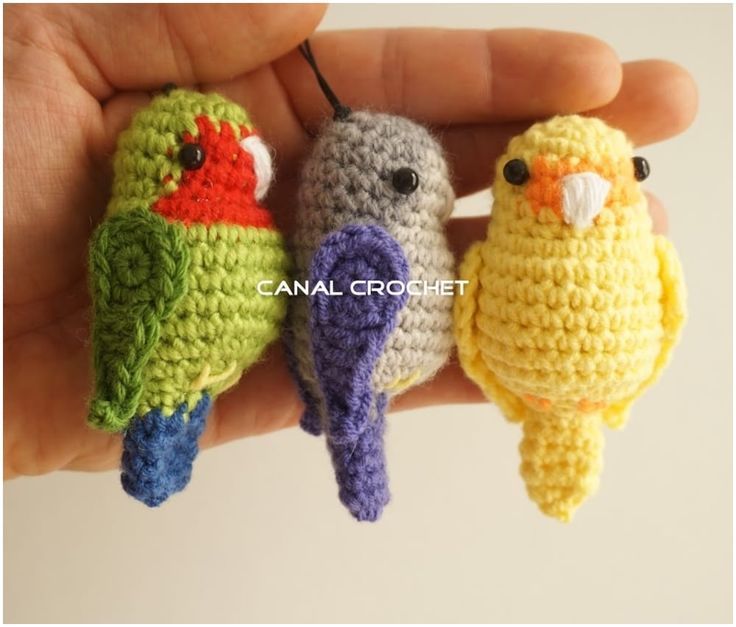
{"x": 660, "y": 224}
{"x": 265, "y": 400}
{"x": 449, "y": 387}
{"x": 246, "y": 410}
{"x": 658, "y": 100}
{"x": 249, "y": 410}
{"x": 462, "y": 232}
{"x": 117, "y": 114}
{"x": 272, "y": 111}
{"x": 144, "y": 46}
{"x": 472, "y": 151}
{"x": 453, "y": 76}
{"x": 406, "y": 78}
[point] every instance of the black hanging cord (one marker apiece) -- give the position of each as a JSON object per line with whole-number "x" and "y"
{"x": 341, "y": 111}
{"x": 165, "y": 90}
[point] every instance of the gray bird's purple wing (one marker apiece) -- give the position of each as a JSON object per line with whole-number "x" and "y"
{"x": 349, "y": 333}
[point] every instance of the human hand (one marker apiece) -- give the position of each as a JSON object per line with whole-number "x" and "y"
{"x": 74, "y": 75}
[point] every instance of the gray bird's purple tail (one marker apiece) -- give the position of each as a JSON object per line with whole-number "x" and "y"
{"x": 360, "y": 468}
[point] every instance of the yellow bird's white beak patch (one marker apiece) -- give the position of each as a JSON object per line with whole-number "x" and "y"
{"x": 583, "y": 197}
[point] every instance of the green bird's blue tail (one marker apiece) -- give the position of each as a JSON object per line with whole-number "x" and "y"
{"x": 158, "y": 452}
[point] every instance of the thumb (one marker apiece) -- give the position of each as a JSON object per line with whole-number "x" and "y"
{"x": 141, "y": 47}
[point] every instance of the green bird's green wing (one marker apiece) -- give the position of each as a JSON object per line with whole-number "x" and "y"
{"x": 138, "y": 272}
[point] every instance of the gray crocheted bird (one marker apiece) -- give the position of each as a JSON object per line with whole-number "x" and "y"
{"x": 373, "y": 197}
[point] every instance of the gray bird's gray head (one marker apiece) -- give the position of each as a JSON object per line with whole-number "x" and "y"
{"x": 376, "y": 167}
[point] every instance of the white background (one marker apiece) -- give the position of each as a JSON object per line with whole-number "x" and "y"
{"x": 259, "y": 534}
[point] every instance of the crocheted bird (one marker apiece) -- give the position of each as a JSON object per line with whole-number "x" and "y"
{"x": 173, "y": 272}
{"x": 374, "y": 193}
{"x": 573, "y": 304}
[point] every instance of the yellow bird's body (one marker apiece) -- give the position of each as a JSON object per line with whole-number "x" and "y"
{"x": 573, "y": 305}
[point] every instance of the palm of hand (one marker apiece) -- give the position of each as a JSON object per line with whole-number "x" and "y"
{"x": 67, "y": 98}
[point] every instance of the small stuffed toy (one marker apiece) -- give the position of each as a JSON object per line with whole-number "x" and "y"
{"x": 373, "y": 197}
{"x": 173, "y": 273}
{"x": 573, "y": 306}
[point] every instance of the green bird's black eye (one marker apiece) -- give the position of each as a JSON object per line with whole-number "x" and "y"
{"x": 191, "y": 156}
{"x": 516, "y": 172}
{"x": 641, "y": 168}
{"x": 405, "y": 181}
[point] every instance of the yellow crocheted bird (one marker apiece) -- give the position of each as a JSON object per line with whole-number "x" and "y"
{"x": 573, "y": 305}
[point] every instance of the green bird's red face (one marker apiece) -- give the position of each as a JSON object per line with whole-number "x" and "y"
{"x": 193, "y": 158}
{"x": 223, "y": 177}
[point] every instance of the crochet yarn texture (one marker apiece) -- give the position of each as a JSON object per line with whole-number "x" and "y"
{"x": 158, "y": 452}
{"x": 173, "y": 272}
{"x": 361, "y": 217}
{"x": 573, "y": 306}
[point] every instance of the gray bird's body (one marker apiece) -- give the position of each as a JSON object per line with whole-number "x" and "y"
{"x": 350, "y": 181}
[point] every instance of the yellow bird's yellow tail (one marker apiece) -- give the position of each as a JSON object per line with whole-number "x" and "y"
{"x": 561, "y": 459}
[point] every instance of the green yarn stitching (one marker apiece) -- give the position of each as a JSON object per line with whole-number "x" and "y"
{"x": 139, "y": 267}
{"x": 148, "y": 150}
{"x": 221, "y": 319}
{"x": 172, "y": 300}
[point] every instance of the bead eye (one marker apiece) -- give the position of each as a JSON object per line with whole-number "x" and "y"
{"x": 405, "y": 181}
{"x": 641, "y": 168}
{"x": 191, "y": 156}
{"x": 516, "y": 172}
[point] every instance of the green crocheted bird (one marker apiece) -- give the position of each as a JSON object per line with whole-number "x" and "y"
{"x": 173, "y": 270}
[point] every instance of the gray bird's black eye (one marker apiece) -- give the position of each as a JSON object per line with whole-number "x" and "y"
{"x": 641, "y": 168}
{"x": 405, "y": 181}
{"x": 191, "y": 156}
{"x": 516, "y": 172}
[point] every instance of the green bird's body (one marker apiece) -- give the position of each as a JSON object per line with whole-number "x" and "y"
{"x": 174, "y": 270}
{"x": 221, "y": 324}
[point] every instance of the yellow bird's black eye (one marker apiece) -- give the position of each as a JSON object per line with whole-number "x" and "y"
{"x": 516, "y": 172}
{"x": 191, "y": 156}
{"x": 641, "y": 168}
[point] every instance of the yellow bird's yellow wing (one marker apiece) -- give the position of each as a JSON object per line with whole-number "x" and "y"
{"x": 674, "y": 313}
{"x": 468, "y": 339}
